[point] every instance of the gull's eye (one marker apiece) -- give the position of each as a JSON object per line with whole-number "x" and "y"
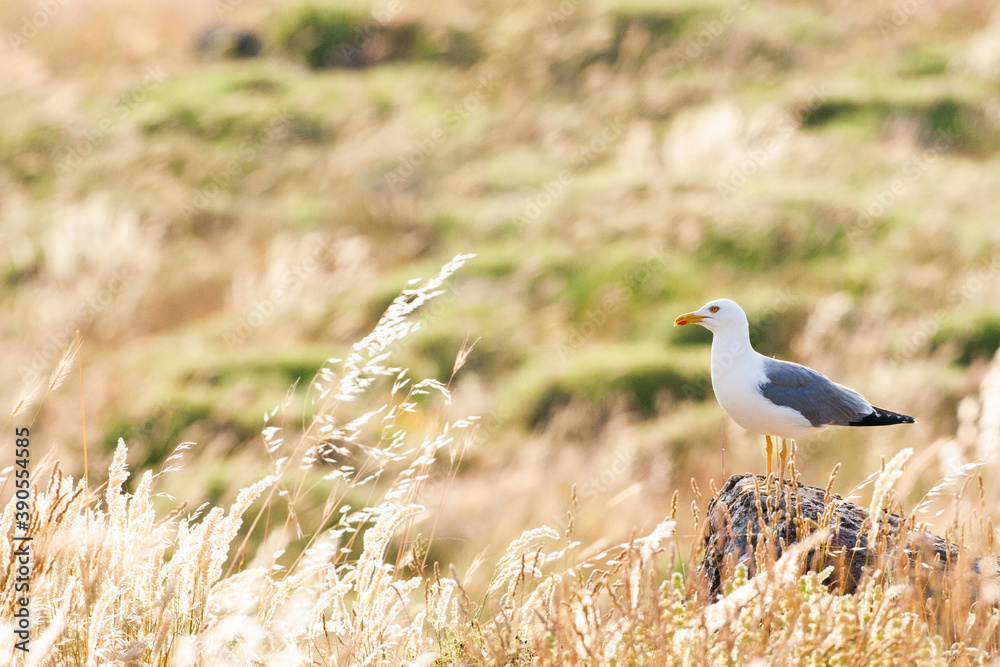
{"x": 714, "y": 309}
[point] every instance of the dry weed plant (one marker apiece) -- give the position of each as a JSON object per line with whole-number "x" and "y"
{"x": 115, "y": 584}
{"x": 94, "y": 237}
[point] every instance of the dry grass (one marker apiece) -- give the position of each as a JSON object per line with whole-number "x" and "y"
{"x": 186, "y": 312}
{"x": 208, "y": 261}
{"x": 115, "y": 582}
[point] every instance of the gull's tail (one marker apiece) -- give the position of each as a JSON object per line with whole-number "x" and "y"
{"x": 881, "y": 417}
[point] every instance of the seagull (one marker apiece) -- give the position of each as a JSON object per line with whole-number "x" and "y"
{"x": 772, "y": 397}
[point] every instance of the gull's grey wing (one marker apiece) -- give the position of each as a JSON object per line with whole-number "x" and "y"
{"x": 811, "y": 394}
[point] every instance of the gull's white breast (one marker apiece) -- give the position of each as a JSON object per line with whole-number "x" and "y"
{"x": 737, "y": 374}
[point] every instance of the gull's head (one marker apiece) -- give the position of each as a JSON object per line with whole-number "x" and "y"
{"x": 718, "y": 315}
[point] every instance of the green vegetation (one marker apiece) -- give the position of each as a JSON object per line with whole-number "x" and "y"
{"x": 216, "y": 229}
{"x": 976, "y": 338}
{"x": 337, "y": 578}
{"x": 323, "y": 35}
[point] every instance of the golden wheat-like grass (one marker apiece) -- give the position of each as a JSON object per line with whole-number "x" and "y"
{"x": 116, "y": 583}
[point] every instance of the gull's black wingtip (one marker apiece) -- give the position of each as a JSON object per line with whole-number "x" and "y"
{"x": 882, "y": 417}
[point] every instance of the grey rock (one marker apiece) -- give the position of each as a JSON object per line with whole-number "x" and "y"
{"x": 747, "y": 509}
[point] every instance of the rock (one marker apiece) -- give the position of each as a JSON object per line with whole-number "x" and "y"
{"x": 735, "y": 530}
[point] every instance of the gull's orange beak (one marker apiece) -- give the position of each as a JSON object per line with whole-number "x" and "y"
{"x": 687, "y": 318}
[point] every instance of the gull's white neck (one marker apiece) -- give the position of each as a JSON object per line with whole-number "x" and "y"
{"x": 737, "y": 374}
{"x": 731, "y": 349}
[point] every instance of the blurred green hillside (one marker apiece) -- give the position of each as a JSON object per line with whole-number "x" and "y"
{"x": 217, "y": 226}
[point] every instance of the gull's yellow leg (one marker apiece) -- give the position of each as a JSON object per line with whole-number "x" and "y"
{"x": 770, "y": 447}
{"x": 783, "y": 457}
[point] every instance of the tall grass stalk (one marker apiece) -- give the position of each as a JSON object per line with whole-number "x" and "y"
{"x": 115, "y": 583}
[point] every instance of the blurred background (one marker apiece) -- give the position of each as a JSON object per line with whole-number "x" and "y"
{"x": 221, "y": 195}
